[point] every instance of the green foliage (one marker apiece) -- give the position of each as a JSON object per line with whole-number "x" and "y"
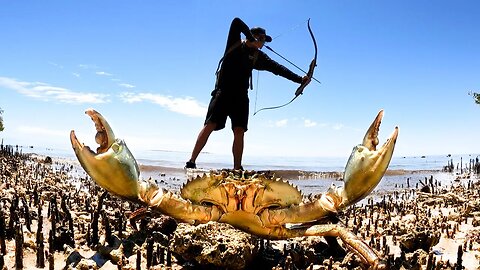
{"x": 476, "y": 97}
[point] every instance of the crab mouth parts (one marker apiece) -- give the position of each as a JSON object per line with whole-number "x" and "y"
{"x": 104, "y": 136}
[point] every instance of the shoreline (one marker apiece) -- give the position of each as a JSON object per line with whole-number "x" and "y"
{"x": 285, "y": 173}
{"x": 65, "y": 183}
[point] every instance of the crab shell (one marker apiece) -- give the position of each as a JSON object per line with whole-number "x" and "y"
{"x": 266, "y": 207}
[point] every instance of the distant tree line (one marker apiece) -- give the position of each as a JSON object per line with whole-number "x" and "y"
{"x": 476, "y": 97}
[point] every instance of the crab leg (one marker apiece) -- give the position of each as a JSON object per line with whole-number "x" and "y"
{"x": 364, "y": 170}
{"x": 114, "y": 168}
{"x": 351, "y": 241}
{"x": 174, "y": 206}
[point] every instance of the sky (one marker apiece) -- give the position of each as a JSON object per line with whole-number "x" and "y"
{"x": 148, "y": 67}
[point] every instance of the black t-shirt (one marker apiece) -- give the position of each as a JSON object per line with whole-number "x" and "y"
{"x": 239, "y": 62}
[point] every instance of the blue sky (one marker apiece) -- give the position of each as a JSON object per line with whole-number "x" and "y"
{"x": 148, "y": 67}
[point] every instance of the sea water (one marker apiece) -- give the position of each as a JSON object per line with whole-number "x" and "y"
{"x": 417, "y": 168}
{"x": 317, "y": 164}
{"x": 177, "y": 159}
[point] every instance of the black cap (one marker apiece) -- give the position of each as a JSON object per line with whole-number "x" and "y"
{"x": 260, "y": 31}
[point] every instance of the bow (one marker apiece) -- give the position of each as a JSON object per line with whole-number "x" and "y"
{"x": 309, "y": 74}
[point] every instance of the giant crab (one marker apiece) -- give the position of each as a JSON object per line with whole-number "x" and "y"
{"x": 267, "y": 207}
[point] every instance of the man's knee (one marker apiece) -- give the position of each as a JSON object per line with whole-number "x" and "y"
{"x": 210, "y": 125}
{"x": 238, "y": 131}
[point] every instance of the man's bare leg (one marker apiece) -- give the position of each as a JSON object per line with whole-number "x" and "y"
{"x": 202, "y": 140}
{"x": 237, "y": 147}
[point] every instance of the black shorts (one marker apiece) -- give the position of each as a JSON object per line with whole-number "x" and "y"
{"x": 223, "y": 105}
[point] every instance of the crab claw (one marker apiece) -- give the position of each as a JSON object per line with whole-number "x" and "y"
{"x": 113, "y": 166}
{"x": 366, "y": 165}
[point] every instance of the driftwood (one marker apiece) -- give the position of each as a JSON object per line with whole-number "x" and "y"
{"x": 450, "y": 197}
{"x": 446, "y": 196}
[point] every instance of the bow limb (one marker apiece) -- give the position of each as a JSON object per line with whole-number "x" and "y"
{"x": 276, "y": 107}
{"x": 309, "y": 74}
{"x": 312, "y": 66}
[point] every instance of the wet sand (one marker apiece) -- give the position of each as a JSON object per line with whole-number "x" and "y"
{"x": 58, "y": 192}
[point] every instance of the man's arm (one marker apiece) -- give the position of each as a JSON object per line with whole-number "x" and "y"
{"x": 266, "y": 63}
{"x": 238, "y": 27}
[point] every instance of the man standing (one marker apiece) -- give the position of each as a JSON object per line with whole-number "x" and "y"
{"x": 230, "y": 96}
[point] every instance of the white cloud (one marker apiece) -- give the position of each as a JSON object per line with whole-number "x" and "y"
{"x": 126, "y": 85}
{"x": 56, "y": 65}
{"x": 84, "y": 66}
{"x": 103, "y": 73}
{"x": 309, "y": 123}
{"x": 281, "y": 123}
{"x": 76, "y": 74}
{"x": 187, "y": 106}
{"x": 47, "y": 92}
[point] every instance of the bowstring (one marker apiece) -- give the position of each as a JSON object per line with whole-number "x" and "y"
{"x": 290, "y": 30}
{"x": 258, "y": 72}
{"x": 256, "y": 90}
